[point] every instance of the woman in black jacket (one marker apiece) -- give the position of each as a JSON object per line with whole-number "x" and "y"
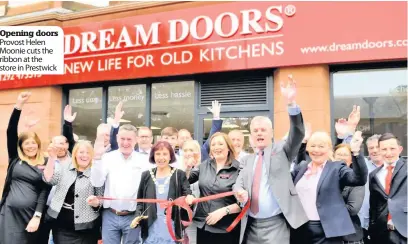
{"x": 217, "y": 175}
{"x": 161, "y": 182}
{"x": 353, "y": 196}
{"x": 25, "y": 194}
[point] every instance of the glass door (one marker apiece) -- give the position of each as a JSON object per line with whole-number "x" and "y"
{"x": 231, "y": 121}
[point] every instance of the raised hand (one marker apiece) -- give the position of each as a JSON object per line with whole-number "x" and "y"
{"x": 215, "y": 109}
{"x": 354, "y": 116}
{"x": 52, "y": 151}
{"x": 22, "y": 99}
{"x": 356, "y": 142}
{"x": 118, "y": 113}
{"x": 99, "y": 147}
{"x": 68, "y": 116}
{"x": 342, "y": 127}
{"x": 289, "y": 90}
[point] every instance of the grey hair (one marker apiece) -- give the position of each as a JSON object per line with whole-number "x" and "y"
{"x": 128, "y": 127}
{"x": 375, "y": 137}
{"x": 263, "y": 119}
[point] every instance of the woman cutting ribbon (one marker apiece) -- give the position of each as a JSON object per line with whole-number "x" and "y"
{"x": 162, "y": 182}
{"x": 216, "y": 175}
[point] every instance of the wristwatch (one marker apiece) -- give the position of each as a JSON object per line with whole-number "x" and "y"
{"x": 227, "y": 210}
{"x": 37, "y": 214}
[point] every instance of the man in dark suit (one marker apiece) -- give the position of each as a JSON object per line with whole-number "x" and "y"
{"x": 388, "y": 195}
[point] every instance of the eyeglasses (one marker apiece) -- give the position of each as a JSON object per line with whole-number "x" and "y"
{"x": 342, "y": 155}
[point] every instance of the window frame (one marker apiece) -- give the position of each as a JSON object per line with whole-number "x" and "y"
{"x": 355, "y": 67}
{"x": 196, "y": 78}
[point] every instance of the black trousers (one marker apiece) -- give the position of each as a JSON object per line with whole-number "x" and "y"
{"x": 312, "y": 233}
{"x": 65, "y": 236}
{"x": 205, "y": 237}
{"x": 365, "y": 238}
{"x": 388, "y": 237}
{"x": 44, "y": 231}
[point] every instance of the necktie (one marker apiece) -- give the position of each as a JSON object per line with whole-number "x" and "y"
{"x": 256, "y": 184}
{"x": 388, "y": 183}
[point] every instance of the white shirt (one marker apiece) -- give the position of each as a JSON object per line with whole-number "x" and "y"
{"x": 145, "y": 158}
{"x": 382, "y": 173}
{"x": 241, "y": 155}
{"x": 178, "y": 164}
{"x": 121, "y": 178}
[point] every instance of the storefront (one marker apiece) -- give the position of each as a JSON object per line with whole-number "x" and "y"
{"x": 169, "y": 63}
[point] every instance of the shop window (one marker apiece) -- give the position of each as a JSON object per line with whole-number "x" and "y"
{"x": 134, "y": 103}
{"x": 88, "y": 105}
{"x": 382, "y": 97}
{"x": 172, "y": 106}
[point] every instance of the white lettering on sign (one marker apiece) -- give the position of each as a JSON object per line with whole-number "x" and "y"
{"x": 110, "y": 64}
{"x": 126, "y": 98}
{"x": 87, "y": 42}
{"x": 140, "y": 61}
{"x": 238, "y": 52}
{"x": 79, "y": 67}
{"x": 172, "y": 95}
{"x": 226, "y": 24}
{"x": 85, "y": 100}
{"x": 179, "y": 57}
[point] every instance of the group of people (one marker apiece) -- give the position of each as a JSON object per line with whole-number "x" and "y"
{"x": 300, "y": 189}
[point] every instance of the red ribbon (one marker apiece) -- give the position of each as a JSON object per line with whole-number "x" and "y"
{"x": 181, "y": 202}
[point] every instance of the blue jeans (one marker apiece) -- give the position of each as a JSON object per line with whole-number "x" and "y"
{"x": 51, "y": 240}
{"x": 115, "y": 227}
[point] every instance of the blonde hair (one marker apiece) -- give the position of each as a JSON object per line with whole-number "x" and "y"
{"x": 325, "y": 138}
{"x": 196, "y": 147}
{"x": 39, "y": 158}
{"x": 79, "y": 144}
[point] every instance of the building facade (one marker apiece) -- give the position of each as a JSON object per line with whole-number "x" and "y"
{"x": 168, "y": 61}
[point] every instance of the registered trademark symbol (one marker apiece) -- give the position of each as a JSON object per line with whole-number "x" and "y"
{"x": 290, "y": 10}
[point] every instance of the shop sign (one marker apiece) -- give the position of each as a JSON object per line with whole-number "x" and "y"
{"x": 227, "y": 37}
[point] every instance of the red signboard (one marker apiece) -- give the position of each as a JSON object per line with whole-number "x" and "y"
{"x": 229, "y": 36}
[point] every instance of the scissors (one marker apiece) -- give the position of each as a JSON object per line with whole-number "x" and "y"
{"x": 139, "y": 218}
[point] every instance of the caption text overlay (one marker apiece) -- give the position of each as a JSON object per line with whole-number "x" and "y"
{"x": 31, "y": 50}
